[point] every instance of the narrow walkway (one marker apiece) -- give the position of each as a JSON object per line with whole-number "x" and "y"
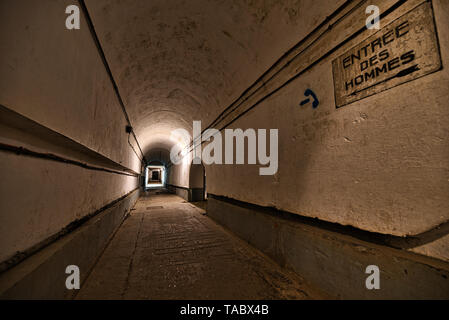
{"x": 167, "y": 249}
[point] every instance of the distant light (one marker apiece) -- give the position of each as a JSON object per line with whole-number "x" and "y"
{"x": 148, "y": 185}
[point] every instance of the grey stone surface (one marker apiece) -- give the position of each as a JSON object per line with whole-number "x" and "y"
{"x": 42, "y": 275}
{"x": 334, "y": 262}
{"x": 168, "y": 250}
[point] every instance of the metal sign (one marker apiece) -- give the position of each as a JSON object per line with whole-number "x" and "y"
{"x": 402, "y": 51}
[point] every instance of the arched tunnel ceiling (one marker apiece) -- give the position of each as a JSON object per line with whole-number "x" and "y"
{"x": 178, "y": 61}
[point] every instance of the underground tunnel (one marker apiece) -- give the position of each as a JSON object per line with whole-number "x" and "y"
{"x": 224, "y": 150}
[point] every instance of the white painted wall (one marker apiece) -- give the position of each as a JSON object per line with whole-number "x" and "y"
{"x": 380, "y": 164}
{"x": 56, "y": 78}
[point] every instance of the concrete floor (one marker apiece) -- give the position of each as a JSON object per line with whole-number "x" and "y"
{"x": 167, "y": 249}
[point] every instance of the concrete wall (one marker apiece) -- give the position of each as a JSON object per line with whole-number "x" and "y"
{"x": 186, "y": 180}
{"x": 178, "y": 175}
{"x": 196, "y": 176}
{"x": 57, "y": 102}
{"x": 42, "y": 275}
{"x": 330, "y": 258}
{"x": 379, "y": 164}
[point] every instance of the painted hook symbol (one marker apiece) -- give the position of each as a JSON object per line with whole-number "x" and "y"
{"x": 315, "y": 102}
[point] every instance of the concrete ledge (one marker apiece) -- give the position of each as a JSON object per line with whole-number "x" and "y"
{"x": 42, "y": 275}
{"x": 183, "y": 192}
{"x": 333, "y": 261}
{"x": 188, "y": 194}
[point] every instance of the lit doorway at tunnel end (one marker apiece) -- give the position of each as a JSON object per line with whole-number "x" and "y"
{"x": 212, "y": 153}
{"x": 155, "y": 176}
